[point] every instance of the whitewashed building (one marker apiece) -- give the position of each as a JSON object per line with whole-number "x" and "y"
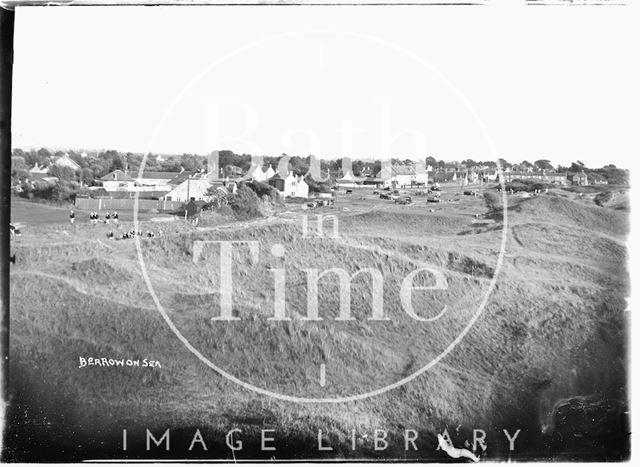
{"x": 191, "y": 189}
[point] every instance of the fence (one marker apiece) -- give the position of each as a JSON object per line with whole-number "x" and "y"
{"x": 123, "y": 204}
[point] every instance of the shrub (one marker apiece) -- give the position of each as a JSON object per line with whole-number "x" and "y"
{"x": 601, "y": 199}
{"x": 493, "y": 200}
{"x": 245, "y": 203}
{"x": 317, "y": 187}
{"x": 261, "y": 189}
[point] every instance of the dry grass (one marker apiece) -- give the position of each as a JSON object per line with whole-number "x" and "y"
{"x": 562, "y": 290}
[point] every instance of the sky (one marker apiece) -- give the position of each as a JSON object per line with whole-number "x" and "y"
{"x": 522, "y": 83}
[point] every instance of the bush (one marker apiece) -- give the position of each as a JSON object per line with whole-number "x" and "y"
{"x": 245, "y": 203}
{"x": 317, "y": 187}
{"x": 61, "y": 191}
{"x": 524, "y": 185}
{"x": 601, "y": 199}
{"x": 493, "y": 200}
{"x": 261, "y": 189}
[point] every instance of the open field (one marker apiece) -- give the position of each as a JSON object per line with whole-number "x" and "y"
{"x": 546, "y": 356}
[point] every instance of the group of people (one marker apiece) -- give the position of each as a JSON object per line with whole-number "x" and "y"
{"x": 131, "y": 234}
{"x": 95, "y": 217}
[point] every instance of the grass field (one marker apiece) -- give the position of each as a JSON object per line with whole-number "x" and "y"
{"x": 547, "y": 353}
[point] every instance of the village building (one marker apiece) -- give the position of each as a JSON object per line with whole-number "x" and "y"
{"x": 403, "y": 175}
{"x": 580, "y": 178}
{"x": 540, "y": 176}
{"x": 290, "y": 186}
{"x": 597, "y": 179}
{"x": 156, "y": 179}
{"x": 191, "y": 189}
{"x": 256, "y": 174}
{"x": 269, "y": 172}
{"x": 445, "y": 177}
{"x": 348, "y": 180}
{"x": 66, "y": 161}
{"x": 302, "y": 188}
{"x": 117, "y": 180}
{"x": 38, "y": 171}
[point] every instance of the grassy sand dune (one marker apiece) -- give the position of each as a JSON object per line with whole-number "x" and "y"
{"x": 554, "y": 328}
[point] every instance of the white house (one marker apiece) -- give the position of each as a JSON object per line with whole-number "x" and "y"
{"x": 403, "y": 175}
{"x": 269, "y": 172}
{"x": 66, "y": 161}
{"x": 36, "y": 169}
{"x": 347, "y": 180}
{"x": 290, "y": 186}
{"x": 116, "y": 181}
{"x": 302, "y": 188}
{"x": 190, "y": 189}
{"x": 256, "y": 174}
{"x": 159, "y": 180}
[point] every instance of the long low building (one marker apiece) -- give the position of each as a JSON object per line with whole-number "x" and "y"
{"x": 542, "y": 177}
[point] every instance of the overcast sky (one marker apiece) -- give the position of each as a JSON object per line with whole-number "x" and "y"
{"x": 558, "y": 83}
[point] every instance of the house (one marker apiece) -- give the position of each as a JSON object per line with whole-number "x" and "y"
{"x": 117, "y": 180}
{"x": 39, "y": 169}
{"x": 269, "y": 172}
{"x": 597, "y": 179}
{"x": 256, "y": 174}
{"x": 38, "y": 172}
{"x": 403, "y": 175}
{"x": 191, "y": 189}
{"x": 278, "y": 183}
{"x": 580, "y": 178}
{"x": 302, "y": 188}
{"x": 489, "y": 175}
{"x": 444, "y": 177}
{"x": 66, "y": 161}
{"x": 290, "y": 186}
{"x": 156, "y": 179}
{"x": 422, "y": 173}
{"x": 540, "y": 176}
{"x": 462, "y": 177}
{"x": 347, "y": 180}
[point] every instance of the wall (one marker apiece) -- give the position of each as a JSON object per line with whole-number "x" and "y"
{"x": 98, "y": 204}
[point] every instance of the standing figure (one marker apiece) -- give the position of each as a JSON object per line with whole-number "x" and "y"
{"x": 72, "y": 216}
{"x": 107, "y": 217}
{"x": 115, "y": 217}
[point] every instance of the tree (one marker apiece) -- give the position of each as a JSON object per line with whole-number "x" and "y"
{"x": 245, "y": 203}
{"x": 431, "y": 161}
{"x": 62, "y": 173}
{"x": 504, "y": 164}
{"x": 543, "y": 164}
{"x": 86, "y": 175}
{"x": 577, "y": 167}
{"x": 18, "y": 162}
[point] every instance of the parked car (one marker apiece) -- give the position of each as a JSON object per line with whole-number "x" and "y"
{"x": 433, "y": 200}
{"x": 403, "y": 200}
{"x": 349, "y": 191}
{"x": 385, "y": 196}
{"x": 376, "y": 192}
